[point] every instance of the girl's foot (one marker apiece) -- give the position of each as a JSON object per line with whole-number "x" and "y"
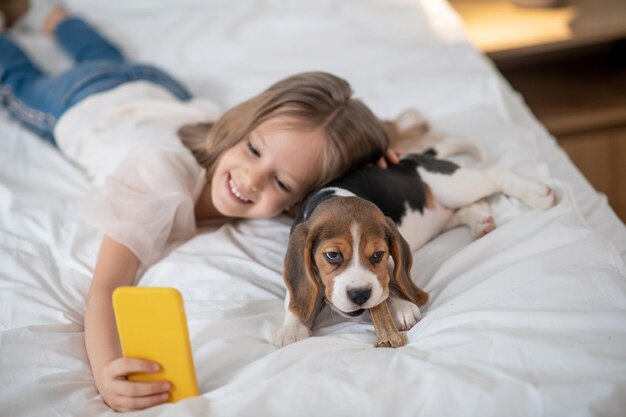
{"x": 55, "y": 16}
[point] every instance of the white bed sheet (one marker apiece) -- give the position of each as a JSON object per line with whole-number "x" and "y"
{"x": 527, "y": 321}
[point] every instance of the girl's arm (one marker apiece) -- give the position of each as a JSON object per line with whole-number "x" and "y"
{"x": 116, "y": 266}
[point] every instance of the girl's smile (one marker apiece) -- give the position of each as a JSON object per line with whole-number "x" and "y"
{"x": 236, "y": 193}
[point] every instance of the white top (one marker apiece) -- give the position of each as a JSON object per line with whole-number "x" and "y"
{"x": 126, "y": 141}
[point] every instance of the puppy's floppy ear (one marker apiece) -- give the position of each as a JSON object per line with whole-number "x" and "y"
{"x": 402, "y": 262}
{"x": 299, "y": 276}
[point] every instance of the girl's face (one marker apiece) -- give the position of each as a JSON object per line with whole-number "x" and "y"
{"x": 270, "y": 170}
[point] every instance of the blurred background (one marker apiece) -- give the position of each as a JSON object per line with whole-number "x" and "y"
{"x": 568, "y": 60}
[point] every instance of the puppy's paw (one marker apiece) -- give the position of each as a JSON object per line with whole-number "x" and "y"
{"x": 287, "y": 335}
{"x": 483, "y": 225}
{"x": 539, "y": 196}
{"x": 405, "y": 314}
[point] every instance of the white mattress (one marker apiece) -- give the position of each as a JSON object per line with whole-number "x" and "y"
{"x": 527, "y": 321}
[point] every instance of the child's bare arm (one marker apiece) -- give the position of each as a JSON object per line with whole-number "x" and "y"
{"x": 116, "y": 266}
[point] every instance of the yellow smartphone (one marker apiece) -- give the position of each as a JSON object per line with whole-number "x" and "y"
{"x": 152, "y": 325}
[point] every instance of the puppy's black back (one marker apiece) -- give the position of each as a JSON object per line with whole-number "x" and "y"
{"x": 391, "y": 189}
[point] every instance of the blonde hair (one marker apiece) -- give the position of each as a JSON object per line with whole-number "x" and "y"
{"x": 316, "y": 100}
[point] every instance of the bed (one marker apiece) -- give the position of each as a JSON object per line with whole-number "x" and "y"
{"x": 529, "y": 320}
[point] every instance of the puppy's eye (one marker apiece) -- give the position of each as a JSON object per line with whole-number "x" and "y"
{"x": 377, "y": 257}
{"x": 333, "y": 257}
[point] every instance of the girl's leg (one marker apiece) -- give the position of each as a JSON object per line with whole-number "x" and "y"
{"x": 25, "y": 90}
{"x": 86, "y": 45}
{"x": 83, "y": 43}
{"x": 38, "y": 100}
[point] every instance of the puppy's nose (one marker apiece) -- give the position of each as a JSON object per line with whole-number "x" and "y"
{"x": 359, "y": 296}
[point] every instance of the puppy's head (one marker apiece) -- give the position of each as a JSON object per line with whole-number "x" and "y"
{"x": 340, "y": 255}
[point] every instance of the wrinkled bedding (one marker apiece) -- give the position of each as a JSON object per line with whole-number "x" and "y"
{"x": 529, "y": 320}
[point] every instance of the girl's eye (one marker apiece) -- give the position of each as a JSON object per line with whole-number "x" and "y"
{"x": 333, "y": 257}
{"x": 282, "y": 185}
{"x": 377, "y": 257}
{"x": 254, "y": 151}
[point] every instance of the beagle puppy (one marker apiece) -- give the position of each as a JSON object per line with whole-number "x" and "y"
{"x": 345, "y": 233}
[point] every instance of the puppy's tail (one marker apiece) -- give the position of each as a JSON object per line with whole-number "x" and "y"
{"x": 411, "y": 133}
{"x": 449, "y": 147}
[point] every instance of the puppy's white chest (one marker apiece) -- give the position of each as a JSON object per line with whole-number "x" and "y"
{"x": 418, "y": 228}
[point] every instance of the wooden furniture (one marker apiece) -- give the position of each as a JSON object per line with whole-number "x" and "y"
{"x": 569, "y": 64}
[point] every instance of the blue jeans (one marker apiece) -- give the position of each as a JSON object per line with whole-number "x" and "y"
{"x": 38, "y": 100}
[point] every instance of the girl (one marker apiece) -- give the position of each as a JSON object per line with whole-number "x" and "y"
{"x": 121, "y": 123}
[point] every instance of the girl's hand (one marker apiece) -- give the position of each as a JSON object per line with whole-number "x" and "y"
{"x": 123, "y": 395}
{"x": 392, "y": 156}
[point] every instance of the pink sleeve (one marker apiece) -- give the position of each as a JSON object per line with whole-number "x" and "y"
{"x": 148, "y": 201}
